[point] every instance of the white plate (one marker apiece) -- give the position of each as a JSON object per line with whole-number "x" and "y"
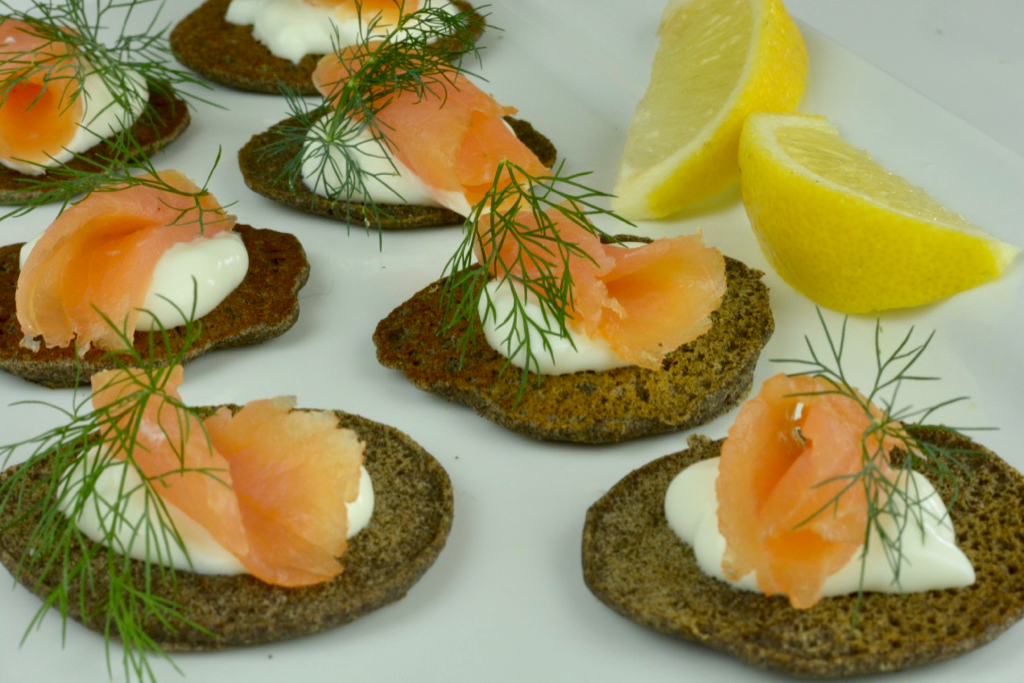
{"x": 506, "y": 600}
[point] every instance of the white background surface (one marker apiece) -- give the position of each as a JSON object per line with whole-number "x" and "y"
{"x": 506, "y": 600}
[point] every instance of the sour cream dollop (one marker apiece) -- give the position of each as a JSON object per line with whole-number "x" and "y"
{"x": 931, "y": 560}
{"x": 561, "y": 356}
{"x": 102, "y": 117}
{"x": 209, "y": 267}
{"x": 205, "y": 554}
{"x": 387, "y": 181}
{"x": 292, "y": 29}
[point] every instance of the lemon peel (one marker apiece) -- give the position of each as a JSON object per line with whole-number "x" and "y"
{"x": 846, "y": 232}
{"x": 717, "y": 61}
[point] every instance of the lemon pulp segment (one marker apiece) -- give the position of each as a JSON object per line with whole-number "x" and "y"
{"x": 717, "y": 61}
{"x": 846, "y": 232}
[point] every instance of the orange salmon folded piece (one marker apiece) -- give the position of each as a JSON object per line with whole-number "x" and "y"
{"x": 268, "y": 484}
{"x": 293, "y": 473}
{"x": 172, "y": 451}
{"x": 41, "y": 108}
{"x": 453, "y": 138}
{"x": 644, "y": 302}
{"x": 782, "y": 507}
{"x": 101, "y": 254}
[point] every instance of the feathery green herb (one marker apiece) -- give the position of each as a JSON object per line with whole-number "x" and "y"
{"x": 102, "y": 44}
{"x": 512, "y": 232}
{"x": 59, "y": 552}
{"x": 125, "y": 169}
{"x": 423, "y": 53}
{"x": 895, "y": 506}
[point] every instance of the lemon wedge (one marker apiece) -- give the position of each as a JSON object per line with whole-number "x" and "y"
{"x": 847, "y": 233}
{"x": 717, "y": 61}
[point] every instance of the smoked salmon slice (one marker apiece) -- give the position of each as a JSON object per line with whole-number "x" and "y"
{"x": 453, "y": 138}
{"x": 269, "y": 483}
{"x": 293, "y": 472}
{"x": 644, "y": 301}
{"x": 100, "y": 254}
{"x": 785, "y": 504}
{"x": 171, "y": 450}
{"x": 41, "y": 110}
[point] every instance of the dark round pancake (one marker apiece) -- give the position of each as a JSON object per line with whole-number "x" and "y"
{"x": 265, "y": 305}
{"x": 412, "y": 516}
{"x": 698, "y": 381}
{"x": 227, "y": 53}
{"x": 637, "y": 566}
{"x": 264, "y": 174}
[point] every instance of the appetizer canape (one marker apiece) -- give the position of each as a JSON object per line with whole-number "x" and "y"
{"x": 403, "y": 138}
{"x": 147, "y": 251}
{"x": 73, "y": 102}
{"x": 175, "y": 528}
{"x": 661, "y": 337}
{"x": 258, "y": 45}
{"x": 820, "y": 543}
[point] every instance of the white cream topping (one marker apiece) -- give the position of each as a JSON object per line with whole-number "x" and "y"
{"x": 560, "y": 356}
{"x": 931, "y": 560}
{"x": 388, "y": 181}
{"x": 118, "y": 482}
{"x": 563, "y": 355}
{"x": 292, "y": 29}
{"x": 102, "y": 117}
{"x": 210, "y": 267}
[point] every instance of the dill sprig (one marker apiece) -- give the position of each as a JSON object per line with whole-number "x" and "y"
{"x": 128, "y": 166}
{"x": 422, "y": 53}
{"x": 98, "y": 34}
{"x": 102, "y": 44}
{"x": 895, "y": 505}
{"x": 512, "y": 232}
{"x": 59, "y": 553}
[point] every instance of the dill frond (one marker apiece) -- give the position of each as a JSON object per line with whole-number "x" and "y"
{"x": 100, "y": 44}
{"x": 893, "y": 499}
{"x": 129, "y": 167}
{"x": 422, "y": 53}
{"x": 512, "y": 231}
{"x": 92, "y": 441}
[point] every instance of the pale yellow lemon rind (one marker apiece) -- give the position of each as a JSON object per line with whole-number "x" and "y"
{"x": 916, "y": 262}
